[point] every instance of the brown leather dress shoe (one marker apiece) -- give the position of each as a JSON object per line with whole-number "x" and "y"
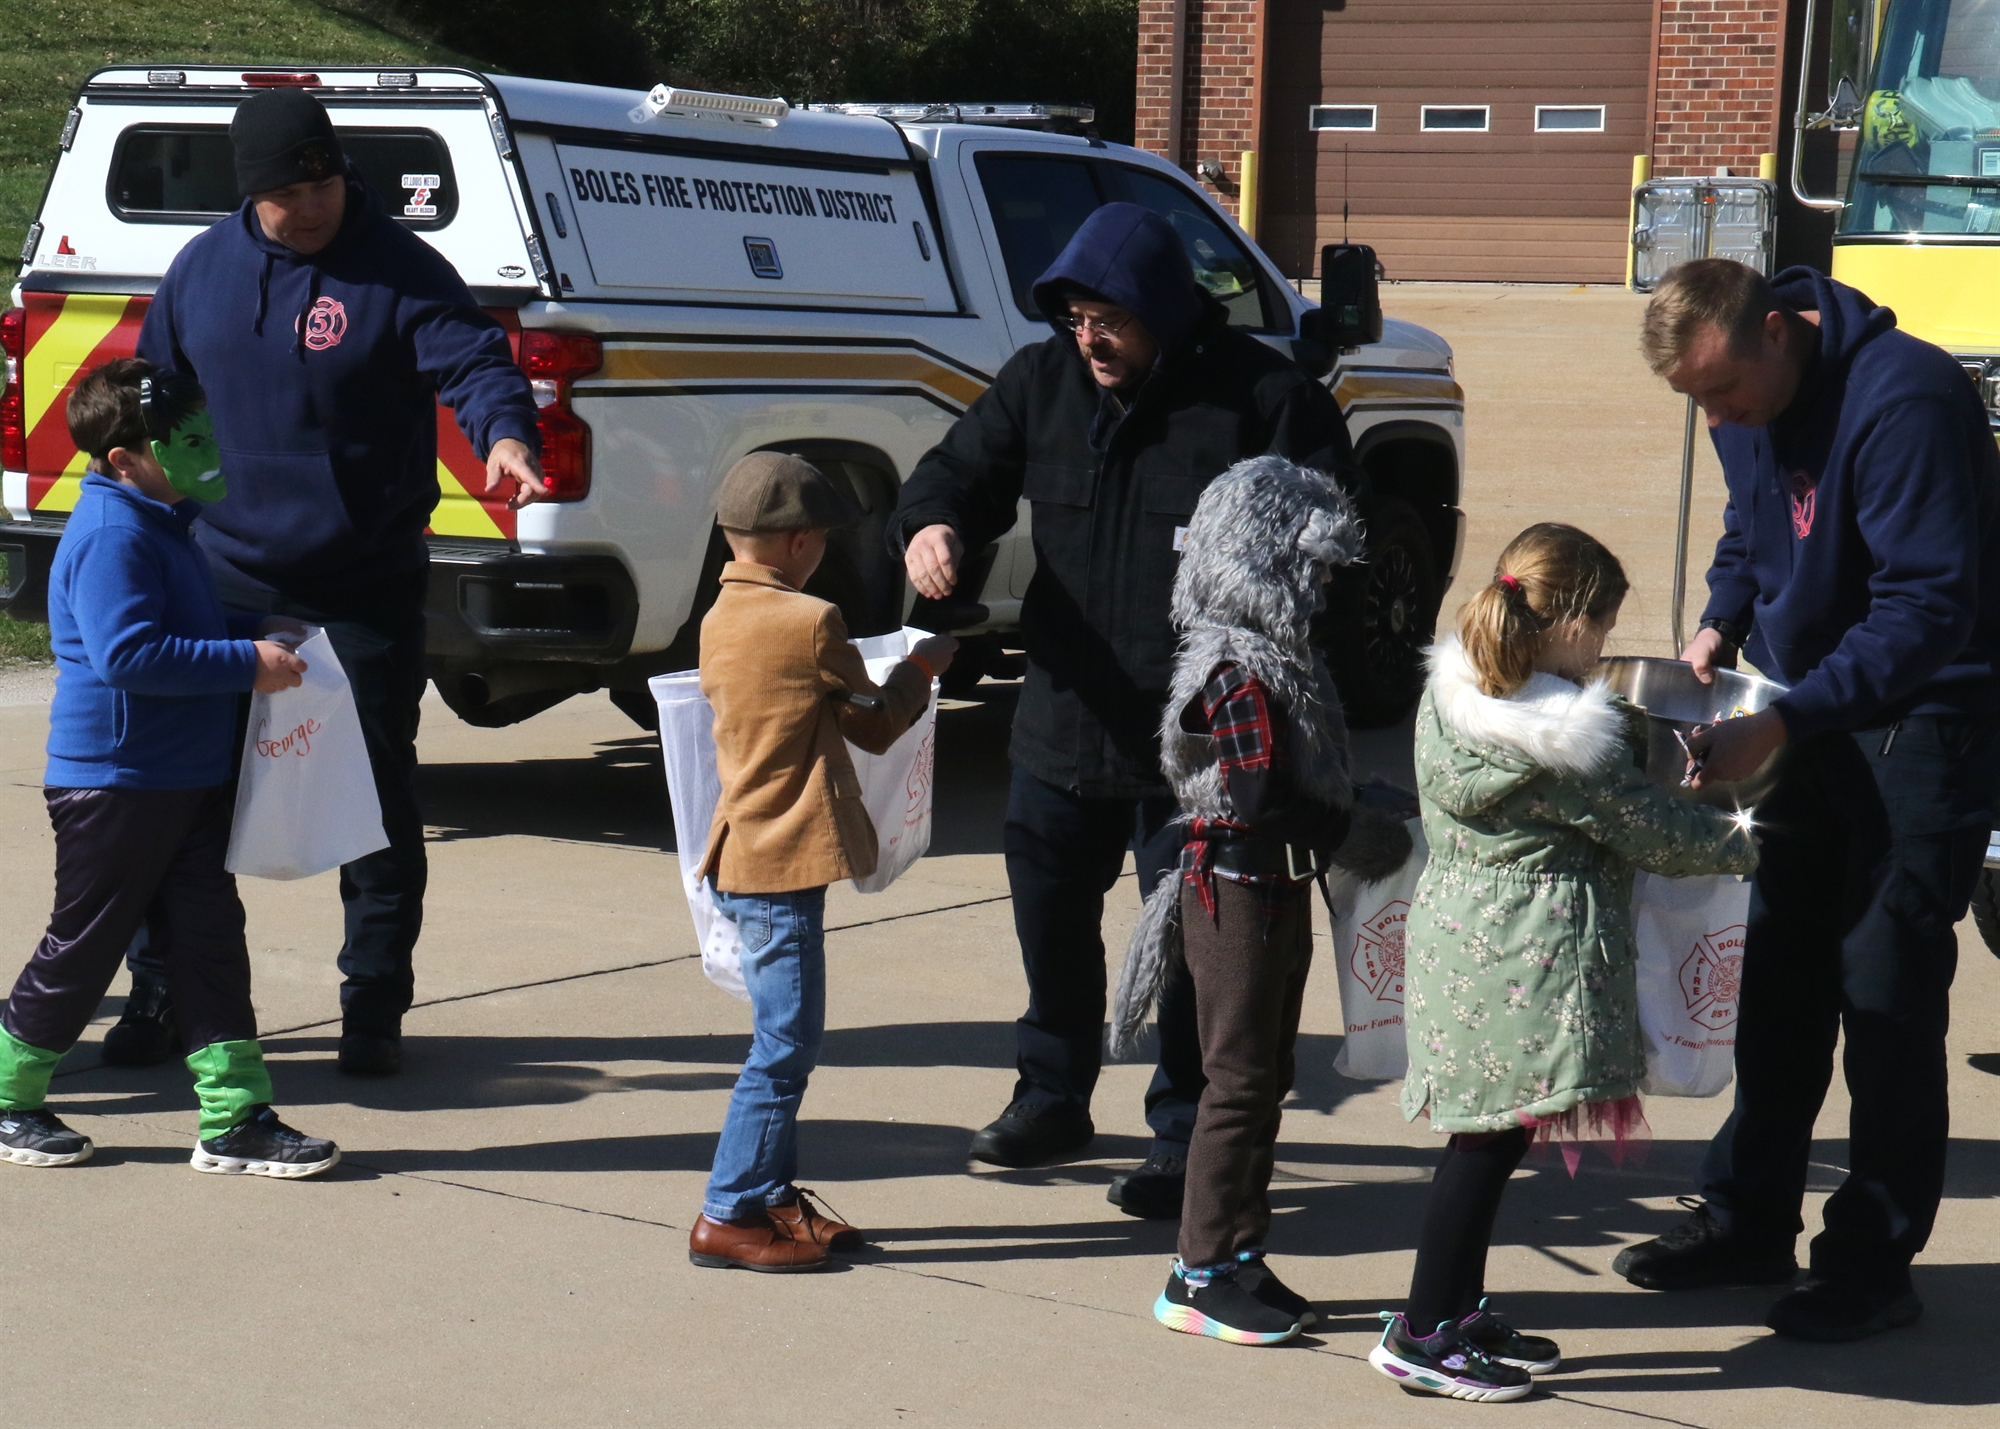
{"x": 804, "y": 1220}
{"x": 752, "y": 1243}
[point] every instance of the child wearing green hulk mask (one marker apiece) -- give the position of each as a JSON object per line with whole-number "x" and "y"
{"x": 142, "y": 732}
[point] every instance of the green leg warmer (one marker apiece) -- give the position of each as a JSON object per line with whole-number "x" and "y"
{"x": 24, "y": 1073}
{"x": 229, "y": 1079}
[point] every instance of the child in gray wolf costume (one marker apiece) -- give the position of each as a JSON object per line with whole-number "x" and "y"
{"x": 1255, "y": 746}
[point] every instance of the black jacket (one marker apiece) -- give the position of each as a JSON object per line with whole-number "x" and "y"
{"x": 1099, "y": 642}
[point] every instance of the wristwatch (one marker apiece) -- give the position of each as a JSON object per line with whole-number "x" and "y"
{"x": 1727, "y": 629}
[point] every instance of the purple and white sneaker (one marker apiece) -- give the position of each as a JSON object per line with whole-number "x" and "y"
{"x": 1446, "y": 1363}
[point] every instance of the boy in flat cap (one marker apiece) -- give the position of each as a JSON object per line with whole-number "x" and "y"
{"x": 788, "y": 691}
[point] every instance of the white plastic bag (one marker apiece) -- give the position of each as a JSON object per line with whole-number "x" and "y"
{"x": 687, "y": 745}
{"x": 1368, "y": 933}
{"x": 1689, "y": 933}
{"x": 305, "y": 797}
{"x": 896, "y": 785}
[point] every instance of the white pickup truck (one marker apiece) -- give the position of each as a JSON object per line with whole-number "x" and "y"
{"x": 688, "y": 277}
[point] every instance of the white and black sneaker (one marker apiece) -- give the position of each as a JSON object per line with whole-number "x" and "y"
{"x": 262, "y": 1145}
{"x": 38, "y": 1138}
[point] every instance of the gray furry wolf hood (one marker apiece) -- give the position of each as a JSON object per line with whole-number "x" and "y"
{"x": 1250, "y": 582}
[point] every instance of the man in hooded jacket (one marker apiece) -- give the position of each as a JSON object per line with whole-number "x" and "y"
{"x": 1860, "y": 566}
{"x": 325, "y": 333}
{"x": 1111, "y": 430}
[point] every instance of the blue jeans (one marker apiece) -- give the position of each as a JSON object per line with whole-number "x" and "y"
{"x": 784, "y": 969}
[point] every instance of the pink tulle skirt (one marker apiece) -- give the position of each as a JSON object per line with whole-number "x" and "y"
{"x": 1618, "y": 1127}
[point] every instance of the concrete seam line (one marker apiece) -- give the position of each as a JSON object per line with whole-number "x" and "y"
{"x": 920, "y": 913}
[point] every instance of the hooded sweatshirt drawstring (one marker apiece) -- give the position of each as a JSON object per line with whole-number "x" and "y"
{"x": 312, "y": 301}
{"x": 263, "y": 295}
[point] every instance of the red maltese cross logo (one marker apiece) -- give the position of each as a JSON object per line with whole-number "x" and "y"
{"x": 326, "y": 324}
{"x": 1712, "y": 978}
{"x": 1377, "y": 958}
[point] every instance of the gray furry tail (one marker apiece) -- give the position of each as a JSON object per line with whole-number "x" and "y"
{"x": 1377, "y": 844}
{"x": 1155, "y": 946}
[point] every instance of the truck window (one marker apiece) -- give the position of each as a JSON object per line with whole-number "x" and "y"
{"x": 180, "y": 173}
{"x": 1037, "y": 204}
{"x": 1231, "y": 275}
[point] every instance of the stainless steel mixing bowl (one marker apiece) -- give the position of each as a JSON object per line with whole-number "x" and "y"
{"x": 1675, "y": 702}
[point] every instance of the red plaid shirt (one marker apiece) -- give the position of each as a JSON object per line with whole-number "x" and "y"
{"x": 1249, "y": 747}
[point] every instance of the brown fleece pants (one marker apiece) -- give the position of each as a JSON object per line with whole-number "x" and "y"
{"x": 1249, "y": 965}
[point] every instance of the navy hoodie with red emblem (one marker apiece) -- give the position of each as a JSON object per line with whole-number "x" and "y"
{"x": 323, "y": 373}
{"x": 1861, "y": 543}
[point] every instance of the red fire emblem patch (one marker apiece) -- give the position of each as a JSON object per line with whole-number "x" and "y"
{"x": 326, "y": 324}
{"x": 1712, "y": 978}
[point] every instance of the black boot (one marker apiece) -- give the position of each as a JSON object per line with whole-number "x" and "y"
{"x": 366, "y": 1053}
{"x": 1699, "y": 1252}
{"x": 1030, "y": 1132}
{"x": 1153, "y": 1190}
{"x": 148, "y": 1033}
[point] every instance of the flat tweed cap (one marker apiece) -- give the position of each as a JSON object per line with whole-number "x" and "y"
{"x": 773, "y": 491}
{"x": 283, "y": 137}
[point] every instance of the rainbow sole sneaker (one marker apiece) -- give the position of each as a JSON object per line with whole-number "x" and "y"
{"x": 1217, "y": 1305}
{"x": 1447, "y": 1363}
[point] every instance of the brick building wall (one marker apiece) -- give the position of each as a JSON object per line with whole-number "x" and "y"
{"x": 1716, "y": 85}
{"x": 1224, "y": 40}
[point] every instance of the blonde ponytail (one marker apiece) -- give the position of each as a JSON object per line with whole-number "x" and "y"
{"x": 1549, "y": 575}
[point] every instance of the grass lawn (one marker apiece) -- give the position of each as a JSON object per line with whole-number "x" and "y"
{"x": 23, "y": 642}
{"x": 47, "y": 47}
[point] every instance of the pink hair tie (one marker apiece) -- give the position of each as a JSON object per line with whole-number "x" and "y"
{"x": 1511, "y": 585}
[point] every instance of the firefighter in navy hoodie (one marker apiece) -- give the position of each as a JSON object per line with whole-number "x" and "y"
{"x": 1859, "y": 565}
{"x": 324, "y": 333}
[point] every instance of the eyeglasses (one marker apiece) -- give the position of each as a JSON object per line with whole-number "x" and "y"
{"x": 1072, "y": 323}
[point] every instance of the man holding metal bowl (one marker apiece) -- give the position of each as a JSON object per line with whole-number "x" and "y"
{"x": 1859, "y": 565}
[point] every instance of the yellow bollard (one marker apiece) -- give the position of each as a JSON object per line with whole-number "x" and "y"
{"x": 1767, "y": 168}
{"x": 1246, "y": 196}
{"x": 1642, "y": 170}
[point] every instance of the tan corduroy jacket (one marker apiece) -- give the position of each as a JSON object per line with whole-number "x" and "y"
{"x": 772, "y": 661}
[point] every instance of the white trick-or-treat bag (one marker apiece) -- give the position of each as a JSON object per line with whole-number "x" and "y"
{"x": 895, "y": 789}
{"x": 305, "y": 796}
{"x": 1368, "y": 926}
{"x": 1689, "y": 933}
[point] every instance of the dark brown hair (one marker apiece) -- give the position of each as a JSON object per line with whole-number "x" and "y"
{"x": 1548, "y": 575}
{"x": 1708, "y": 292}
{"x": 103, "y": 410}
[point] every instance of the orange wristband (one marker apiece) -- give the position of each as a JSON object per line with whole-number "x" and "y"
{"x": 922, "y": 664}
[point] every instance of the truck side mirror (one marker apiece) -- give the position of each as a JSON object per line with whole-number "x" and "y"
{"x": 1348, "y": 297}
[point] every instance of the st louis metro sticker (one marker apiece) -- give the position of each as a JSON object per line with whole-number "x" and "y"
{"x": 1711, "y": 978}
{"x": 423, "y": 188}
{"x": 1377, "y": 957}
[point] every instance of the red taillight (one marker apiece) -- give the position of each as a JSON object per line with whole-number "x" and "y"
{"x": 280, "y": 79}
{"x": 13, "y": 411}
{"x": 553, "y": 360}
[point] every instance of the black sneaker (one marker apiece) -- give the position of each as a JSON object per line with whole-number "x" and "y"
{"x": 1699, "y": 1252}
{"x": 1832, "y": 1312}
{"x": 1254, "y": 1273}
{"x": 1029, "y": 1132}
{"x": 38, "y": 1138}
{"x": 1152, "y": 1192}
{"x": 1503, "y": 1344}
{"x": 1221, "y": 1307}
{"x": 261, "y": 1145}
{"x": 147, "y": 1033}
{"x": 370, "y": 1054}
{"x": 1446, "y": 1363}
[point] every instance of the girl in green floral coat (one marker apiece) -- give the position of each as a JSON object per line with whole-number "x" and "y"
{"x": 1521, "y": 998}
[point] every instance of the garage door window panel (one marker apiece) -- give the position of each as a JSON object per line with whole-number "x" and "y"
{"x": 1457, "y": 118}
{"x": 1569, "y": 119}
{"x": 1350, "y": 118}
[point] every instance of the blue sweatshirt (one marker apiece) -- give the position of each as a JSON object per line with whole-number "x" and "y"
{"x": 1861, "y": 543}
{"x": 147, "y": 673}
{"x": 322, "y": 375}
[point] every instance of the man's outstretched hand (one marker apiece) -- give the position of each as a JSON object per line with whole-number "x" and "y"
{"x": 1733, "y": 749}
{"x": 511, "y": 461}
{"x": 932, "y": 560}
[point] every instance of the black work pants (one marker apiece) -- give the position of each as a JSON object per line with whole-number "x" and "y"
{"x": 379, "y": 637}
{"x": 1249, "y": 964}
{"x": 126, "y": 857}
{"x": 1871, "y": 844}
{"x": 1064, "y": 853}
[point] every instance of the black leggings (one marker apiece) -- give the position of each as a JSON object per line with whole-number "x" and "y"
{"x": 1458, "y": 1225}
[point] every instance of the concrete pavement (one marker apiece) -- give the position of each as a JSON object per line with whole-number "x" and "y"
{"x": 505, "y": 1242}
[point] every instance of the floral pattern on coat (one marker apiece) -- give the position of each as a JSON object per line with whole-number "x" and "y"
{"x": 1521, "y": 993}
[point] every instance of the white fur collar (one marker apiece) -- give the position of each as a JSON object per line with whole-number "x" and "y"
{"x": 1548, "y": 721}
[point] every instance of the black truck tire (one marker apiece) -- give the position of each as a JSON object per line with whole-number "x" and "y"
{"x": 1986, "y": 908}
{"x": 1382, "y": 615}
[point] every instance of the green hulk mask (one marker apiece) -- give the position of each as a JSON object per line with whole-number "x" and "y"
{"x": 183, "y": 435}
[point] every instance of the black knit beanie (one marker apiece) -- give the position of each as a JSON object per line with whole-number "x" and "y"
{"x": 282, "y": 137}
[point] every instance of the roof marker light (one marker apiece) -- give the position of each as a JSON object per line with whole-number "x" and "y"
{"x": 396, "y": 79}
{"x": 691, "y": 103}
{"x": 166, "y": 76}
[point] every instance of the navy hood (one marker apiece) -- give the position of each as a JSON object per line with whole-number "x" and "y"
{"x": 1848, "y": 318}
{"x": 1130, "y": 256}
